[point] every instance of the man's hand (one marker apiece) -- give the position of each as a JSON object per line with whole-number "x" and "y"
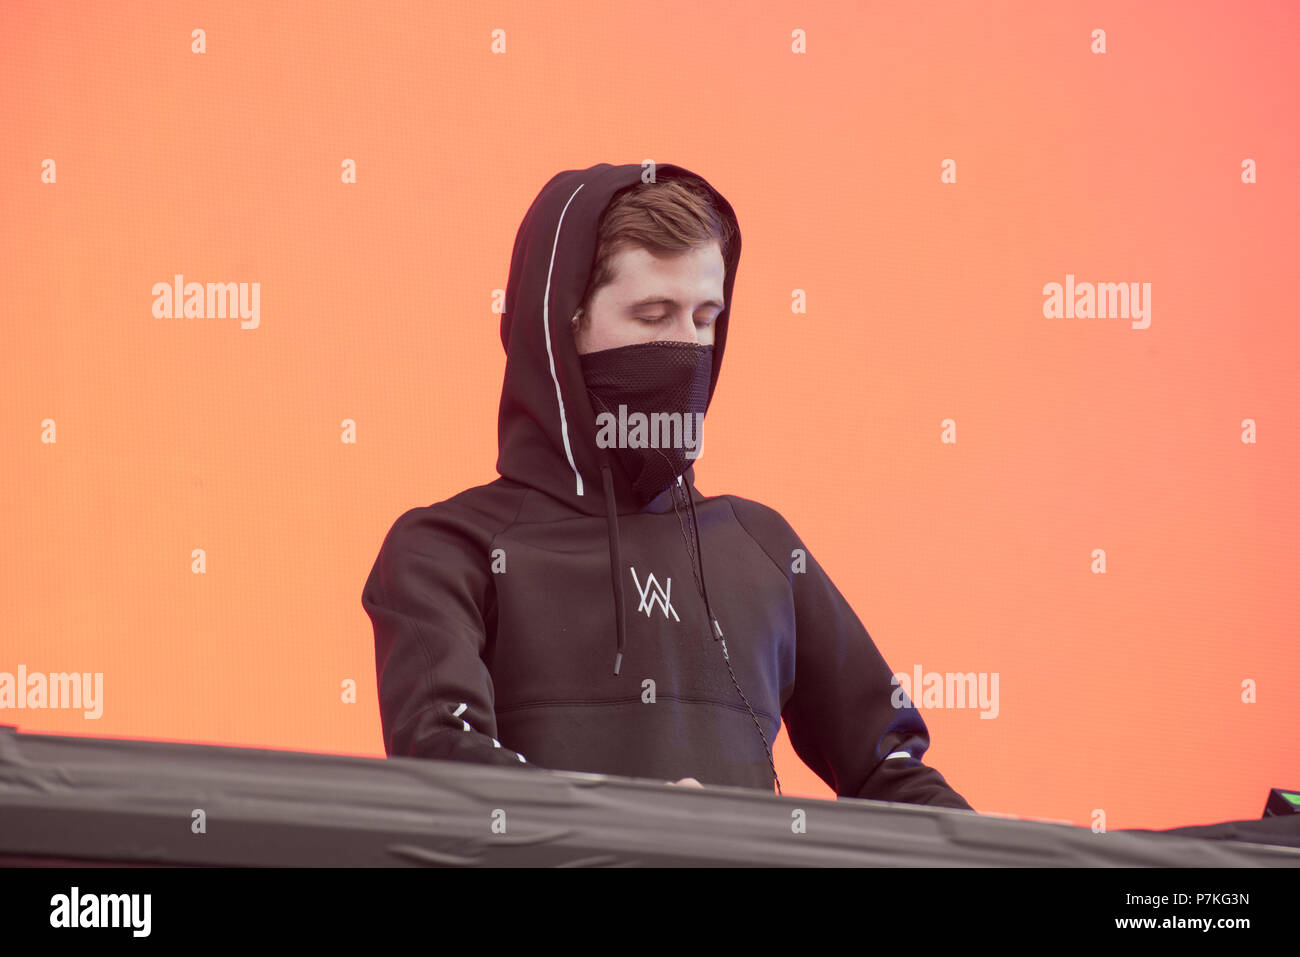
{"x": 688, "y": 782}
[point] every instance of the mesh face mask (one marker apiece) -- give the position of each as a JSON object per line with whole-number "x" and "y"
{"x": 649, "y": 400}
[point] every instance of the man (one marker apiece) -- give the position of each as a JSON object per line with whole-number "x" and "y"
{"x": 564, "y": 616}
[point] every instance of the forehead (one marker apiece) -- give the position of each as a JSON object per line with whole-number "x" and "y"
{"x": 695, "y": 271}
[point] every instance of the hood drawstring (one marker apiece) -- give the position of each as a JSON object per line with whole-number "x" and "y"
{"x": 717, "y": 628}
{"x": 615, "y": 563}
{"x": 616, "y": 580}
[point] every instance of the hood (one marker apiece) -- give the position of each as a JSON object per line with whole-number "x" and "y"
{"x": 546, "y": 430}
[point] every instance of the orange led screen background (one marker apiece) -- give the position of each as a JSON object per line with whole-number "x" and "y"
{"x": 1098, "y": 510}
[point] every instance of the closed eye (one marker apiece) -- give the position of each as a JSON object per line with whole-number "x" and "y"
{"x": 655, "y": 320}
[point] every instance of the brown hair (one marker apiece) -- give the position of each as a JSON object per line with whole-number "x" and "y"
{"x": 672, "y": 215}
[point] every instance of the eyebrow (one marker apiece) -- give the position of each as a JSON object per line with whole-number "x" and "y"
{"x": 663, "y": 301}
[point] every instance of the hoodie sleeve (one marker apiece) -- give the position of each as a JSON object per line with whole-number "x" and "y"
{"x": 427, "y": 596}
{"x": 841, "y": 717}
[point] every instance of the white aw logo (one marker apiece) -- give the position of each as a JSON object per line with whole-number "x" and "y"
{"x": 664, "y": 596}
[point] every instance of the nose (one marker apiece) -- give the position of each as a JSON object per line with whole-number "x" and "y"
{"x": 684, "y": 329}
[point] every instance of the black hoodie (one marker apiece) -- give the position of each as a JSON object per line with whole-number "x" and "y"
{"x": 499, "y": 613}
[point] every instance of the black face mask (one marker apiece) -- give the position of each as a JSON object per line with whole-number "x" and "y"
{"x": 647, "y": 395}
